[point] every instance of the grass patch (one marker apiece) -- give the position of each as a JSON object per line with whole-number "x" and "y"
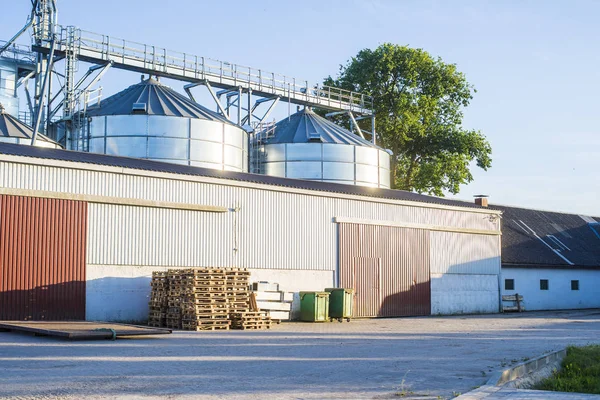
{"x": 580, "y": 372}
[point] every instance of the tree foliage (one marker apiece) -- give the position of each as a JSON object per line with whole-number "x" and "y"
{"x": 419, "y": 102}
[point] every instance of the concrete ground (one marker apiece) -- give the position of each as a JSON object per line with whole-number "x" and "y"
{"x": 430, "y": 357}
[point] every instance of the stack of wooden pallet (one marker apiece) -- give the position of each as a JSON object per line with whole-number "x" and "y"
{"x": 250, "y": 320}
{"x": 174, "y": 299}
{"x": 157, "y": 305}
{"x": 204, "y": 299}
{"x": 237, "y": 288}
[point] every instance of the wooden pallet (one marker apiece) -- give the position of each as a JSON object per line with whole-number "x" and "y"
{"x": 238, "y": 309}
{"x": 206, "y": 307}
{"x": 251, "y": 314}
{"x": 173, "y": 324}
{"x": 204, "y": 317}
{"x": 250, "y": 320}
{"x": 250, "y": 325}
{"x": 203, "y": 289}
{"x": 204, "y": 297}
{"x": 245, "y": 328}
{"x": 205, "y": 324}
{"x": 203, "y": 283}
{"x": 157, "y": 314}
{"x": 203, "y": 272}
{"x": 222, "y": 313}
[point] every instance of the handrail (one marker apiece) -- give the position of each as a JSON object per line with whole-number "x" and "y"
{"x": 19, "y": 52}
{"x": 161, "y": 60}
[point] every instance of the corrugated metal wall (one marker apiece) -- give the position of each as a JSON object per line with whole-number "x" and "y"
{"x": 124, "y": 235}
{"x": 365, "y": 275}
{"x": 42, "y": 258}
{"x": 460, "y": 253}
{"x": 272, "y": 229}
{"x": 402, "y": 257}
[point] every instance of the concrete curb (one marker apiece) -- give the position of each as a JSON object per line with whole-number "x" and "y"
{"x": 501, "y": 378}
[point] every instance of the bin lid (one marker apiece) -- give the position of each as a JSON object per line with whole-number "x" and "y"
{"x": 347, "y": 290}
{"x": 321, "y": 294}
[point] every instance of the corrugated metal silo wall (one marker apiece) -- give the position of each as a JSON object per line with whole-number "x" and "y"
{"x": 42, "y": 258}
{"x": 388, "y": 267}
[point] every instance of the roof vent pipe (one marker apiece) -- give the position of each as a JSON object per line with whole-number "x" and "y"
{"x": 481, "y": 200}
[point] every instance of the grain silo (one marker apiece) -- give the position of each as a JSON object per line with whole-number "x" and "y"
{"x": 152, "y": 121}
{"x": 8, "y": 85}
{"x": 310, "y": 147}
{"x": 14, "y": 131}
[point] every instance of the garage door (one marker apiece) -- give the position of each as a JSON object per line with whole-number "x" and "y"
{"x": 42, "y": 258}
{"x": 388, "y": 268}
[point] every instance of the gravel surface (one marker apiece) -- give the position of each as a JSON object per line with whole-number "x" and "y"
{"x": 378, "y": 358}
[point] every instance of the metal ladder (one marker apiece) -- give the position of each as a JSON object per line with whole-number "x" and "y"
{"x": 262, "y": 132}
{"x": 71, "y": 68}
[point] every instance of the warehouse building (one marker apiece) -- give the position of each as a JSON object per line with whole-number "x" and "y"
{"x": 552, "y": 259}
{"x": 82, "y": 233}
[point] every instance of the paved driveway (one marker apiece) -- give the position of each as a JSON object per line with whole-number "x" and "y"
{"x": 431, "y": 356}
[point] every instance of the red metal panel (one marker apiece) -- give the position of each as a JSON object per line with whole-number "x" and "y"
{"x": 367, "y": 286}
{"x": 42, "y": 258}
{"x": 402, "y": 256}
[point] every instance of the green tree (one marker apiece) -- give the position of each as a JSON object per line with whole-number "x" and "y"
{"x": 418, "y": 105}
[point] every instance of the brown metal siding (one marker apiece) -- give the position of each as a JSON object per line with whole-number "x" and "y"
{"x": 42, "y": 258}
{"x": 402, "y": 257}
{"x": 367, "y": 286}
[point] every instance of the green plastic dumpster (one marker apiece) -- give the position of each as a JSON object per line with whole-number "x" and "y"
{"x": 340, "y": 303}
{"x": 314, "y": 306}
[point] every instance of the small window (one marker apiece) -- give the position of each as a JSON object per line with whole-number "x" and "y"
{"x": 543, "y": 284}
{"x": 509, "y": 284}
{"x": 574, "y": 285}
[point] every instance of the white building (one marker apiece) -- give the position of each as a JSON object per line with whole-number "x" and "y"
{"x": 89, "y": 229}
{"x": 551, "y": 259}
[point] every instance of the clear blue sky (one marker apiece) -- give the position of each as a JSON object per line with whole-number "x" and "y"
{"x": 534, "y": 64}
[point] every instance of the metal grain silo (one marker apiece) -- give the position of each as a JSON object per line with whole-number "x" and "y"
{"x": 308, "y": 146}
{"x": 14, "y": 131}
{"x": 8, "y": 85}
{"x": 152, "y": 121}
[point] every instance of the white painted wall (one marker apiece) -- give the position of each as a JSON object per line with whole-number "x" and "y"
{"x": 121, "y": 293}
{"x": 464, "y": 294}
{"x": 295, "y": 281}
{"x": 559, "y": 295}
{"x": 118, "y": 293}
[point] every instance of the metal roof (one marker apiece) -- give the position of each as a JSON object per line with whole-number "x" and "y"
{"x": 305, "y": 126}
{"x": 536, "y": 238}
{"x": 156, "y": 99}
{"x": 11, "y": 127}
{"x": 148, "y": 165}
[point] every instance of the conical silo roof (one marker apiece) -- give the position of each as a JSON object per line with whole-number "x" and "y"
{"x": 11, "y": 127}
{"x": 305, "y": 126}
{"x": 153, "y": 98}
